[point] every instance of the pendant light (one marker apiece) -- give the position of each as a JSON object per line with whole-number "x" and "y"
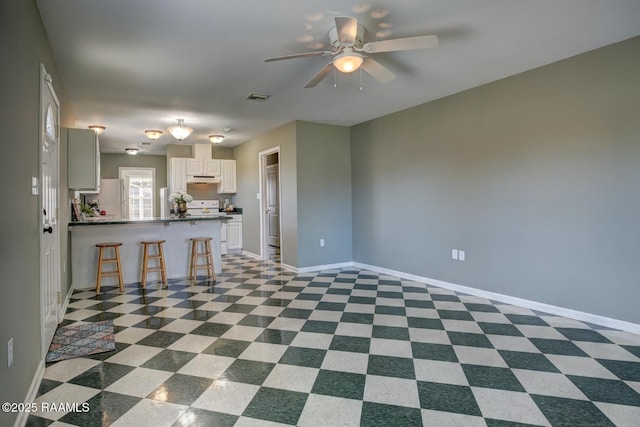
{"x": 180, "y": 131}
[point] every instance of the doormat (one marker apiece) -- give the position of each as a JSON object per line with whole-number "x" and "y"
{"x": 81, "y": 339}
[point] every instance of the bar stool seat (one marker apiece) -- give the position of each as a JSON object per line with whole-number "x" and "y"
{"x": 196, "y": 244}
{"x": 147, "y": 258}
{"x": 115, "y": 260}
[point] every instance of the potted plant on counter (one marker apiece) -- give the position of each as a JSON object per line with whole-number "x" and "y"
{"x": 181, "y": 199}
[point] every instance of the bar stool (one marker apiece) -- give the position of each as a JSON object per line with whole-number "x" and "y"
{"x": 195, "y": 265}
{"x": 146, "y": 258}
{"x": 115, "y": 260}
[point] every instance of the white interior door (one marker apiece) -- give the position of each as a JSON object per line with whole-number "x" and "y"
{"x": 273, "y": 207}
{"x": 50, "y": 233}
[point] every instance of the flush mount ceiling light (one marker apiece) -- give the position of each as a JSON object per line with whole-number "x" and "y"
{"x": 97, "y": 129}
{"x": 216, "y": 139}
{"x": 153, "y": 133}
{"x": 348, "y": 61}
{"x": 131, "y": 151}
{"x": 180, "y": 131}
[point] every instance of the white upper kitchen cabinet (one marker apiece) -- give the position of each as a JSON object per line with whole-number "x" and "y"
{"x": 194, "y": 167}
{"x": 203, "y": 167}
{"x": 177, "y": 174}
{"x": 211, "y": 167}
{"x": 83, "y": 153}
{"x": 228, "y": 182}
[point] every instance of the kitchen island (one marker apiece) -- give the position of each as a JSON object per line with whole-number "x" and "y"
{"x": 176, "y": 231}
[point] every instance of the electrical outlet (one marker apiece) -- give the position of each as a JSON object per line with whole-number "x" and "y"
{"x": 10, "y": 353}
{"x": 454, "y": 254}
{"x": 321, "y": 242}
{"x": 461, "y": 255}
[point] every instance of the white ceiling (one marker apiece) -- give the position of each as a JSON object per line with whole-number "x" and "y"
{"x": 136, "y": 65}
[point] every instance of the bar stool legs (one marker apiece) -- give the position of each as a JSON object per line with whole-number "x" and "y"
{"x": 115, "y": 260}
{"x": 146, "y": 258}
{"x": 195, "y": 264}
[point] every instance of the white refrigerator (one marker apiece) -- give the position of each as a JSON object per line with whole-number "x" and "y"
{"x": 165, "y": 205}
{"x": 113, "y": 198}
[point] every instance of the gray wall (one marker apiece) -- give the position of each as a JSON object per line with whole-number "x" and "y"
{"x": 535, "y": 176}
{"x": 315, "y": 198}
{"x": 247, "y": 169}
{"x": 324, "y": 194}
{"x": 110, "y": 165}
{"x": 24, "y": 45}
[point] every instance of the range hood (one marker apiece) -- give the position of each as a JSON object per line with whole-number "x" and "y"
{"x": 202, "y": 179}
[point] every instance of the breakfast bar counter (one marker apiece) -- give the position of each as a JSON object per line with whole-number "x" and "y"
{"x": 84, "y": 235}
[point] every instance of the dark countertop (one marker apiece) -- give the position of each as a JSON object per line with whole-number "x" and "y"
{"x": 112, "y": 221}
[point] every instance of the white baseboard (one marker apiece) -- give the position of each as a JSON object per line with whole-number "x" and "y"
{"x": 250, "y": 254}
{"x": 324, "y": 267}
{"x": 21, "y": 420}
{"x": 65, "y": 304}
{"x": 289, "y": 267}
{"x": 532, "y": 305}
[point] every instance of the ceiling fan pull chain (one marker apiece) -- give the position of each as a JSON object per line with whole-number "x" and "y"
{"x": 361, "y": 79}
{"x": 335, "y": 78}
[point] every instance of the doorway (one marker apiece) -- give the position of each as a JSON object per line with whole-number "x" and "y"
{"x": 49, "y": 134}
{"x": 270, "y": 218}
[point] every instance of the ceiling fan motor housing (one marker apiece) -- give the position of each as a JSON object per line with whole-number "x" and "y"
{"x": 359, "y": 39}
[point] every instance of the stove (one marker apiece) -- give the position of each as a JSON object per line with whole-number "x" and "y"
{"x": 204, "y": 208}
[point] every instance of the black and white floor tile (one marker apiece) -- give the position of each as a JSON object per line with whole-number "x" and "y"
{"x": 266, "y": 347}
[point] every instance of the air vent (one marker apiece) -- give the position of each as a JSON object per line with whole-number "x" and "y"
{"x": 145, "y": 143}
{"x": 257, "y": 96}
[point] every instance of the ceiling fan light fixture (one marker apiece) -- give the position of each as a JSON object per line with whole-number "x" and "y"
{"x": 153, "y": 133}
{"x": 97, "y": 129}
{"x": 131, "y": 151}
{"x": 348, "y": 62}
{"x": 180, "y": 131}
{"x": 216, "y": 139}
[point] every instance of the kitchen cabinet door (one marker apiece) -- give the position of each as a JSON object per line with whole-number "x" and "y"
{"x": 194, "y": 167}
{"x": 178, "y": 174}
{"x": 211, "y": 167}
{"x": 228, "y": 177}
{"x": 83, "y": 151}
{"x": 234, "y": 233}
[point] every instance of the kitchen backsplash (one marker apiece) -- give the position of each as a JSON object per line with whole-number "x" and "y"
{"x": 209, "y": 192}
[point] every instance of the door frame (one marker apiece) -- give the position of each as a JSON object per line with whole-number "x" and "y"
{"x": 45, "y": 80}
{"x": 262, "y": 185}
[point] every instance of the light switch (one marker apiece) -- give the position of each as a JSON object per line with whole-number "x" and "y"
{"x": 34, "y": 185}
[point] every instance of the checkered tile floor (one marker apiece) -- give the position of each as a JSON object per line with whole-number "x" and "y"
{"x": 267, "y": 347}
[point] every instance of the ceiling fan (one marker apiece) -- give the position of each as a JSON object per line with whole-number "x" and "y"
{"x": 349, "y": 51}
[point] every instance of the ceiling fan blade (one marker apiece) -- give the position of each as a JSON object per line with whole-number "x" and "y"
{"x": 377, "y": 70}
{"x": 320, "y": 75}
{"x": 409, "y": 43}
{"x": 347, "y": 29}
{"x": 298, "y": 55}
